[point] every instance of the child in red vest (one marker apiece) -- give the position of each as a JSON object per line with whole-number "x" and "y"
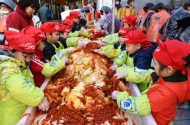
{"x": 39, "y": 67}
{"x": 170, "y": 86}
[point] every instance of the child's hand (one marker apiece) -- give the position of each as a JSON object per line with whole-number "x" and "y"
{"x": 114, "y": 67}
{"x": 70, "y": 49}
{"x": 81, "y": 43}
{"x": 99, "y": 52}
{"x": 115, "y": 94}
{"x": 44, "y": 105}
{"x": 65, "y": 59}
{"x": 120, "y": 75}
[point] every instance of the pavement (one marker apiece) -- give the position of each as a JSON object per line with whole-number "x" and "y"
{"x": 184, "y": 119}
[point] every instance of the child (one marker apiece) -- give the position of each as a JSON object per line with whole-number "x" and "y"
{"x": 130, "y": 22}
{"x": 17, "y": 92}
{"x": 75, "y": 17}
{"x": 39, "y": 67}
{"x": 137, "y": 57}
{"x": 114, "y": 48}
{"x": 52, "y": 45}
{"x": 170, "y": 84}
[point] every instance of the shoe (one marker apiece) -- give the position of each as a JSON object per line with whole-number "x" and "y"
{"x": 184, "y": 106}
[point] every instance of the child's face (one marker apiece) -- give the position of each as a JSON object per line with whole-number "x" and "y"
{"x": 64, "y": 35}
{"x": 53, "y": 38}
{"x": 121, "y": 40}
{"x": 163, "y": 71}
{"x": 41, "y": 46}
{"x": 132, "y": 48}
{"x": 30, "y": 10}
{"x": 76, "y": 20}
{"x": 97, "y": 18}
{"x": 25, "y": 57}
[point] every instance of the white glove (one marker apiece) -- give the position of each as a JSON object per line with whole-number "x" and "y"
{"x": 65, "y": 59}
{"x": 70, "y": 49}
{"x": 81, "y": 43}
{"x": 99, "y": 52}
{"x": 44, "y": 105}
{"x": 114, "y": 66}
{"x": 115, "y": 94}
{"x": 120, "y": 75}
{"x": 103, "y": 41}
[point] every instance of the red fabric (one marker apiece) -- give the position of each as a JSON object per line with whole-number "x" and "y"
{"x": 97, "y": 15}
{"x": 123, "y": 31}
{"x": 35, "y": 33}
{"x": 65, "y": 28}
{"x": 171, "y": 52}
{"x": 135, "y": 37}
{"x": 131, "y": 20}
{"x": 21, "y": 42}
{"x": 163, "y": 98}
{"x": 68, "y": 22}
{"x": 50, "y": 27}
{"x": 36, "y": 67}
{"x": 75, "y": 14}
{"x": 18, "y": 19}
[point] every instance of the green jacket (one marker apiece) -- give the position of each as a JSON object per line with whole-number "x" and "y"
{"x": 85, "y": 33}
{"x": 17, "y": 90}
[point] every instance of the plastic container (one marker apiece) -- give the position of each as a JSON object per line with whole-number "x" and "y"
{"x": 137, "y": 119}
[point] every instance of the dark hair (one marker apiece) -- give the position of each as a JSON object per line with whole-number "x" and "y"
{"x": 26, "y": 3}
{"x": 129, "y": 1}
{"x": 187, "y": 59}
{"x": 162, "y": 66}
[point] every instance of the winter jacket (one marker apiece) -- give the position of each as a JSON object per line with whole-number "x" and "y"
{"x": 160, "y": 99}
{"x": 45, "y": 14}
{"x": 126, "y": 11}
{"x": 157, "y": 21}
{"x": 18, "y": 19}
{"x": 176, "y": 24}
{"x": 41, "y": 69}
{"x": 106, "y": 23}
{"x": 147, "y": 20}
{"x": 137, "y": 63}
{"x": 140, "y": 18}
{"x": 51, "y": 49}
{"x": 17, "y": 90}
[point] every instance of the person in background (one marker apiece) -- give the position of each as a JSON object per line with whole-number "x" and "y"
{"x": 140, "y": 16}
{"x": 7, "y": 6}
{"x": 170, "y": 84}
{"x": 22, "y": 16}
{"x": 75, "y": 5}
{"x": 38, "y": 66}
{"x": 177, "y": 27}
{"x": 151, "y": 12}
{"x": 84, "y": 13}
{"x": 106, "y": 23}
{"x": 129, "y": 9}
{"x": 92, "y": 11}
{"x": 66, "y": 6}
{"x": 156, "y": 23}
{"x": 141, "y": 21}
{"x": 118, "y": 9}
{"x": 44, "y": 12}
{"x": 17, "y": 90}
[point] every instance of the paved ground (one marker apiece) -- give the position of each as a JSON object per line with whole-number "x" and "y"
{"x": 183, "y": 120}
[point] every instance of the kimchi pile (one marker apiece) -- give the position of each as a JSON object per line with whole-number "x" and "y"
{"x": 81, "y": 93}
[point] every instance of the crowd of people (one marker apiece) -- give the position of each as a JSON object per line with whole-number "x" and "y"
{"x": 158, "y": 33}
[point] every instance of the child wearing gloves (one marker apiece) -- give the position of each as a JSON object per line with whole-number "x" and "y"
{"x": 113, "y": 48}
{"x": 17, "y": 90}
{"x": 170, "y": 84}
{"x": 39, "y": 67}
{"x": 136, "y": 59}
